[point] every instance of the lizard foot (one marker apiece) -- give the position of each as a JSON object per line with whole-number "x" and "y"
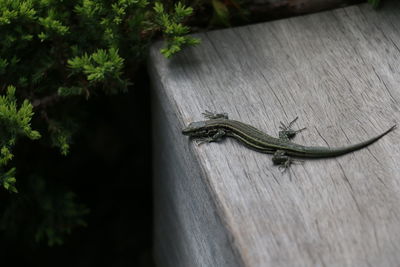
{"x": 216, "y": 137}
{"x": 283, "y": 161}
{"x": 287, "y": 132}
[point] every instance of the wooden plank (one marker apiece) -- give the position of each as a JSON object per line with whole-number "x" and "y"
{"x": 221, "y": 204}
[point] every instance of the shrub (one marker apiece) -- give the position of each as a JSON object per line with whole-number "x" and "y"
{"x": 52, "y": 55}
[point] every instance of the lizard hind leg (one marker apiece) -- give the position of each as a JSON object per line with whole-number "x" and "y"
{"x": 286, "y": 132}
{"x": 282, "y": 160}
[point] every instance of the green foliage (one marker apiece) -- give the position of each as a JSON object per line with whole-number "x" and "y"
{"x": 101, "y": 66}
{"x": 59, "y": 54}
{"x": 61, "y": 135}
{"x": 52, "y": 25}
{"x": 8, "y": 178}
{"x": 174, "y": 31}
{"x": 14, "y": 122}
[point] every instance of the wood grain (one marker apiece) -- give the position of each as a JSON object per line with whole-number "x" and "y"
{"x": 221, "y": 204}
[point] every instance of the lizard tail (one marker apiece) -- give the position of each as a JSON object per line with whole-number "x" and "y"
{"x": 332, "y": 152}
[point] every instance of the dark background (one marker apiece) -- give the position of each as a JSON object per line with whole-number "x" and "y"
{"x": 109, "y": 169}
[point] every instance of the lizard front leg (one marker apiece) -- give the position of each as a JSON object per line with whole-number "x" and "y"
{"x": 214, "y": 138}
{"x": 287, "y": 132}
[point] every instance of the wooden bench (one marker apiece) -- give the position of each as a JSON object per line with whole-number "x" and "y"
{"x": 222, "y": 204}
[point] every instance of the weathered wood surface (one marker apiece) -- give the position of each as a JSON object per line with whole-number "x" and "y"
{"x": 221, "y": 204}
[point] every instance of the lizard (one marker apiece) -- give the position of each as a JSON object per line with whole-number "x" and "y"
{"x": 218, "y": 125}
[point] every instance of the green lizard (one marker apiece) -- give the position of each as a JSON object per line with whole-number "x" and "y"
{"x": 219, "y": 125}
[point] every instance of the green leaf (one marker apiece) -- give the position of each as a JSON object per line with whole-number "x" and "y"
{"x": 14, "y": 122}
{"x": 182, "y": 11}
{"x": 5, "y": 155}
{"x": 42, "y": 36}
{"x": 54, "y": 25}
{"x": 158, "y": 7}
{"x": 99, "y": 66}
{"x": 7, "y": 180}
{"x": 173, "y": 28}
